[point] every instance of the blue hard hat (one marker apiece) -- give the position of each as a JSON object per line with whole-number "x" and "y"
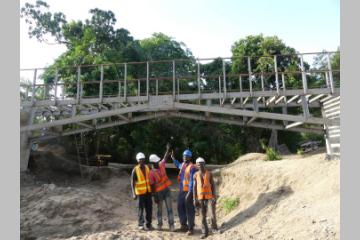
{"x": 187, "y": 153}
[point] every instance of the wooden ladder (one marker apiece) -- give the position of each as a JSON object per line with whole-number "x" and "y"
{"x": 81, "y": 152}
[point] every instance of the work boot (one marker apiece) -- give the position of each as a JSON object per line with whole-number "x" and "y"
{"x": 183, "y": 228}
{"x": 149, "y": 228}
{"x": 203, "y": 236}
{"x": 190, "y": 232}
{"x": 172, "y": 228}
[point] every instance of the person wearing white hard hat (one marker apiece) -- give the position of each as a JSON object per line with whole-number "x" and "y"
{"x": 160, "y": 186}
{"x": 141, "y": 189}
{"x": 204, "y": 193}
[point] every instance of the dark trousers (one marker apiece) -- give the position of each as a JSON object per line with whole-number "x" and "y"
{"x": 144, "y": 202}
{"x": 204, "y": 207}
{"x": 186, "y": 210}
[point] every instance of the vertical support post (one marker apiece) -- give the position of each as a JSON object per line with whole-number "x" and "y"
{"x": 329, "y": 151}
{"x": 56, "y": 82}
{"x": 78, "y": 84}
{"x": 276, "y": 75}
{"x": 249, "y": 70}
{"x": 119, "y": 94}
{"x": 241, "y": 89}
{"x": 262, "y": 85}
{"x": 101, "y": 82}
{"x": 208, "y": 103}
{"x": 125, "y": 76}
{"x": 283, "y": 83}
{"x": 220, "y": 90}
{"x": 174, "y": 75}
{"x": 157, "y": 87}
{"x": 330, "y": 73}
{"x": 178, "y": 89}
{"x": 284, "y": 111}
{"x": 305, "y": 106}
{"x": 33, "y": 87}
{"x": 303, "y": 74}
{"x": 147, "y": 79}
{"x": 198, "y": 80}
{"x": 138, "y": 91}
{"x": 224, "y": 79}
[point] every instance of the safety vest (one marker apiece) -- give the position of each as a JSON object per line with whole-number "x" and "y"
{"x": 142, "y": 184}
{"x": 203, "y": 187}
{"x": 186, "y": 180}
{"x": 162, "y": 181}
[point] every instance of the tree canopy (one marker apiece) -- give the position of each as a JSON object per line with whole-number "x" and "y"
{"x": 97, "y": 41}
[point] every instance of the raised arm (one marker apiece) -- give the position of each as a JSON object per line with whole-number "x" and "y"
{"x": 176, "y": 162}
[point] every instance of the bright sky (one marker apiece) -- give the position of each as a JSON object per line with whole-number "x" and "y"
{"x": 207, "y": 27}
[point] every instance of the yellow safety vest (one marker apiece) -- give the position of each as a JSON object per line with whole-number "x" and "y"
{"x": 142, "y": 184}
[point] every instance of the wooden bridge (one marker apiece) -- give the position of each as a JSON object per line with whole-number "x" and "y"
{"x": 70, "y": 102}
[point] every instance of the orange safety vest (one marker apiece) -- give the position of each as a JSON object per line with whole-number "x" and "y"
{"x": 142, "y": 184}
{"x": 162, "y": 181}
{"x": 186, "y": 179}
{"x": 203, "y": 187}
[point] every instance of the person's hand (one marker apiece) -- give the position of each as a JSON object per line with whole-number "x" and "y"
{"x": 187, "y": 197}
{"x": 196, "y": 203}
{"x": 168, "y": 146}
{"x": 156, "y": 199}
{"x": 213, "y": 200}
{"x": 134, "y": 196}
{"x": 172, "y": 155}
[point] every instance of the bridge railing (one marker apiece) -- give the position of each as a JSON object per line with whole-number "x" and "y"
{"x": 181, "y": 76}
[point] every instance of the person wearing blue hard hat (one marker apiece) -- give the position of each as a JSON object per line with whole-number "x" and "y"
{"x": 186, "y": 209}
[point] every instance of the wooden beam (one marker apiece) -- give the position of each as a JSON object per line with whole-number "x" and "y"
{"x": 293, "y": 125}
{"x": 293, "y": 98}
{"x": 315, "y": 98}
{"x": 85, "y": 125}
{"x": 247, "y": 113}
{"x": 84, "y": 118}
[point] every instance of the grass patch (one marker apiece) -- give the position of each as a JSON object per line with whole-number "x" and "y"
{"x": 272, "y": 155}
{"x": 229, "y": 204}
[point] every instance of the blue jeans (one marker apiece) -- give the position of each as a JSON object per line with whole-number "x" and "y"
{"x": 165, "y": 196}
{"x": 186, "y": 210}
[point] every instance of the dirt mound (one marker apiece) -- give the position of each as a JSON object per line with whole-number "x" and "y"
{"x": 295, "y": 198}
{"x": 75, "y": 210}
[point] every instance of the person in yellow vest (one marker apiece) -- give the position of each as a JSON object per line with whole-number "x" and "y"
{"x": 141, "y": 189}
{"x": 160, "y": 186}
{"x": 204, "y": 194}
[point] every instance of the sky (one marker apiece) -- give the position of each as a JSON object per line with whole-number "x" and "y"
{"x": 208, "y": 27}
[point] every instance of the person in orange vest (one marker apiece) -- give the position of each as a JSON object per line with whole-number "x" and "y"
{"x": 204, "y": 194}
{"x": 160, "y": 186}
{"x": 186, "y": 209}
{"x": 141, "y": 190}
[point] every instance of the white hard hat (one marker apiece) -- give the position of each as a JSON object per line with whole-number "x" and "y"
{"x": 139, "y": 156}
{"x": 200, "y": 160}
{"x": 154, "y": 158}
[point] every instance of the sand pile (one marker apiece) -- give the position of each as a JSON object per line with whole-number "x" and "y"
{"x": 295, "y": 198}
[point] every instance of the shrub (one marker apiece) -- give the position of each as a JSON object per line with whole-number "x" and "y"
{"x": 230, "y": 204}
{"x": 272, "y": 155}
{"x": 300, "y": 151}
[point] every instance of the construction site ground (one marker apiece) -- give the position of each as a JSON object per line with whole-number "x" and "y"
{"x": 297, "y": 197}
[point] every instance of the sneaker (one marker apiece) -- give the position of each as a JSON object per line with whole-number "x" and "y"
{"x": 141, "y": 227}
{"x": 172, "y": 228}
{"x": 190, "y": 232}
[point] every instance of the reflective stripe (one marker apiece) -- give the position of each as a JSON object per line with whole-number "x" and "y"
{"x": 163, "y": 181}
{"x": 186, "y": 180}
{"x": 203, "y": 187}
{"x": 142, "y": 184}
